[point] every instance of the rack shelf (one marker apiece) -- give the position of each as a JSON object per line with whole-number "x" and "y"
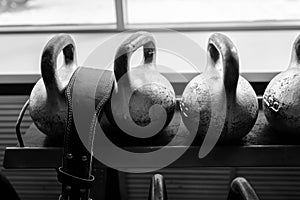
{"x": 226, "y": 156}
{"x": 261, "y": 147}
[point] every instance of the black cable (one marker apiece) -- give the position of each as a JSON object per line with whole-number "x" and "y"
{"x": 18, "y": 124}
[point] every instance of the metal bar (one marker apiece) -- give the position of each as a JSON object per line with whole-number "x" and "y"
{"x": 121, "y": 17}
{"x": 112, "y": 28}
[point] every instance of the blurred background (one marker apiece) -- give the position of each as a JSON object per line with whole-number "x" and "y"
{"x": 76, "y": 12}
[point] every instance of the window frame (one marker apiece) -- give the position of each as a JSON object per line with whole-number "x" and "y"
{"x": 122, "y": 25}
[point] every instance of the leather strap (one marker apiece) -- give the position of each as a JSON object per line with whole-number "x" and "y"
{"x": 75, "y": 181}
{"x": 75, "y": 173}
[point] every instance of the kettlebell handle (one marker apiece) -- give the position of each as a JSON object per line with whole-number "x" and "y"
{"x": 295, "y": 60}
{"x": 240, "y": 189}
{"x": 221, "y": 47}
{"x": 60, "y": 42}
{"x": 157, "y": 188}
{"x": 129, "y": 46}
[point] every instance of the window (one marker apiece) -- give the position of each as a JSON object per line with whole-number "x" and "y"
{"x": 39, "y": 13}
{"x": 125, "y": 14}
{"x": 204, "y": 11}
{"x": 214, "y": 13}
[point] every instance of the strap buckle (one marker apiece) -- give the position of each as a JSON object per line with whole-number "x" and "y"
{"x": 68, "y": 179}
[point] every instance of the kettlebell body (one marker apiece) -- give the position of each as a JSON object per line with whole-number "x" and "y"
{"x": 239, "y": 98}
{"x": 281, "y": 99}
{"x": 142, "y": 97}
{"x": 154, "y": 90}
{"x": 47, "y": 102}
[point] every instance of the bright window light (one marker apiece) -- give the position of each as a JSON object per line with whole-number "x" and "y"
{"x": 56, "y": 12}
{"x": 125, "y": 14}
{"x": 203, "y": 11}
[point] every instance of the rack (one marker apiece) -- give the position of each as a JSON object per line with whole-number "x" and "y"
{"x": 262, "y": 147}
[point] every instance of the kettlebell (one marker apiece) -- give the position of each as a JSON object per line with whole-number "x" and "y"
{"x": 241, "y": 105}
{"x": 142, "y": 98}
{"x": 47, "y": 102}
{"x": 281, "y": 99}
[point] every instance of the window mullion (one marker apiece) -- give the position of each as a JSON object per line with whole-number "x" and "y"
{"x": 120, "y": 14}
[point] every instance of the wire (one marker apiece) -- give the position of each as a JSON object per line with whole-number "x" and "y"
{"x": 18, "y": 124}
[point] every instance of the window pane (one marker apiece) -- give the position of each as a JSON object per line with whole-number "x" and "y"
{"x": 180, "y": 11}
{"x": 56, "y": 12}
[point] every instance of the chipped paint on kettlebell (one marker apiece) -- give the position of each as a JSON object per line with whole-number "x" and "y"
{"x": 281, "y": 103}
{"x": 241, "y": 100}
{"x": 284, "y": 91}
{"x": 145, "y": 97}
